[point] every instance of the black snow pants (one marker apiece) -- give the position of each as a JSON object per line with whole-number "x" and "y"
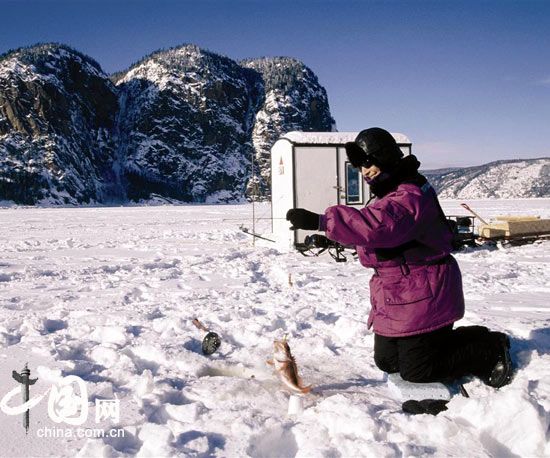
{"x": 441, "y": 355}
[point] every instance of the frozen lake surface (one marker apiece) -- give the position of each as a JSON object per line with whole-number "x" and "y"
{"x": 108, "y": 295}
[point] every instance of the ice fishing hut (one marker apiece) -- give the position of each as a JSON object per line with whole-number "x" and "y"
{"x": 310, "y": 170}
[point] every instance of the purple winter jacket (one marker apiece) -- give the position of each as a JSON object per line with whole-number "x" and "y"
{"x": 426, "y": 293}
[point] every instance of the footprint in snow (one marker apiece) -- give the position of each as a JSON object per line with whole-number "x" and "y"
{"x": 276, "y": 441}
{"x": 51, "y": 326}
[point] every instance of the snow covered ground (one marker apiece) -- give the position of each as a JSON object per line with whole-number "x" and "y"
{"x": 108, "y": 295}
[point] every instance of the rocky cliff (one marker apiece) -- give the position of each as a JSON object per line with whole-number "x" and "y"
{"x": 185, "y": 125}
{"x": 57, "y": 112}
{"x": 293, "y": 100}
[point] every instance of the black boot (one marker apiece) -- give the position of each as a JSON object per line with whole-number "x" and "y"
{"x": 501, "y": 373}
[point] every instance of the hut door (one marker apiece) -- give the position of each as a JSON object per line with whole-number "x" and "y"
{"x": 315, "y": 178}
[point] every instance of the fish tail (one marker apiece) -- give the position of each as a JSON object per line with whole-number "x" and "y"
{"x": 296, "y": 388}
{"x": 306, "y": 389}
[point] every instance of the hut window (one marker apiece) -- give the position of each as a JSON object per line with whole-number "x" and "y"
{"x": 354, "y": 185}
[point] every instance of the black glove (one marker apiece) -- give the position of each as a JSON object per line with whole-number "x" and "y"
{"x": 303, "y": 219}
{"x": 355, "y": 154}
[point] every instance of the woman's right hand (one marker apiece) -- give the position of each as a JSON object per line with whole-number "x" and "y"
{"x": 301, "y": 218}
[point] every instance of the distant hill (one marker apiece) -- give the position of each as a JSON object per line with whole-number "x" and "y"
{"x": 504, "y": 179}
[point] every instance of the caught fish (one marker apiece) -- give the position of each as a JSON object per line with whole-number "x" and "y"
{"x": 285, "y": 366}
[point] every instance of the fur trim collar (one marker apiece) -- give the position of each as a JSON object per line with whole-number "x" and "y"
{"x": 405, "y": 172}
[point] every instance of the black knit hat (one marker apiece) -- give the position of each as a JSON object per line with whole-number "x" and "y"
{"x": 380, "y": 148}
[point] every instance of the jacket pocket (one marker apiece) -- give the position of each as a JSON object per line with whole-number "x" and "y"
{"x": 406, "y": 289}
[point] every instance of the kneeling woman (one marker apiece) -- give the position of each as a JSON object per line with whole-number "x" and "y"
{"x": 416, "y": 290}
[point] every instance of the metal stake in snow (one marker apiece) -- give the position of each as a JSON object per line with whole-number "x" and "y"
{"x": 253, "y": 221}
{"x": 473, "y": 213}
{"x": 26, "y": 382}
{"x": 253, "y": 199}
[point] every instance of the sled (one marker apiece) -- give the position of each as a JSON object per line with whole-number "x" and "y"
{"x": 515, "y": 226}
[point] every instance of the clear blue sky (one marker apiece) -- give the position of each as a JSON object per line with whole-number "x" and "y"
{"x": 469, "y": 82}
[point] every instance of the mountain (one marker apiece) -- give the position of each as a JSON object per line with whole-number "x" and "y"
{"x": 506, "y": 179}
{"x": 293, "y": 100}
{"x": 191, "y": 121}
{"x": 185, "y": 125}
{"x": 182, "y": 123}
{"x": 57, "y": 112}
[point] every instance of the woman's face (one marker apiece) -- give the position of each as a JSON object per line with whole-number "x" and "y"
{"x": 370, "y": 172}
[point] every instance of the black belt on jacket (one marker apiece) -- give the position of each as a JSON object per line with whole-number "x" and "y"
{"x": 404, "y": 266}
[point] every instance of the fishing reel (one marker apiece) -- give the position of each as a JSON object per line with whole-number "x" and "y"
{"x": 210, "y": 343}
{"x": 317, "y": 244}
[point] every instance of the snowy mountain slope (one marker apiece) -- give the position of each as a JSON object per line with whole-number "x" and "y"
{"x": 108, "y": 295}
{"x": 510, "y": 179}
{"x": 57, "y": 111}
{"x": 215, "y": 114}
{"x": 293, "y": 100}
{"x": 185, "y": 125}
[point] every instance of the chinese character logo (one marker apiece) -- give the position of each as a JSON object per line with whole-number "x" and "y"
{"x": 107, "y": 408}
{"x": 24, "y": 378}
{"x": 67, "y": 401}
{"x": 66, "y": 405}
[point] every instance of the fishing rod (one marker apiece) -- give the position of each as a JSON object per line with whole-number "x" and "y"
{"x": 474, "y": 213}
{"x": 240, "y": 219}
{"x": 256, "y": 236}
